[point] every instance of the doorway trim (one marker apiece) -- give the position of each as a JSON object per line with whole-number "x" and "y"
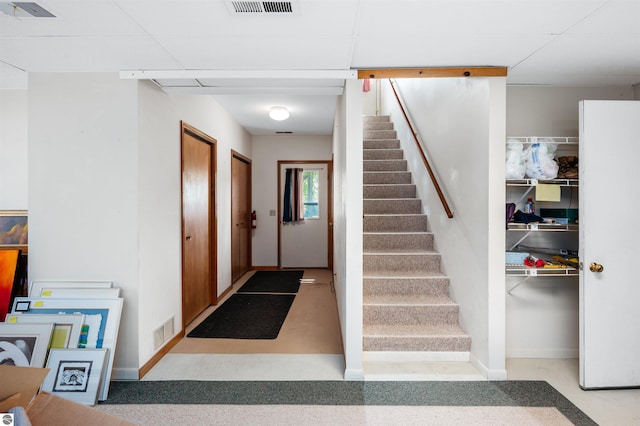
{"x": 329, "y": 164}
{"x": 185, "y": 129}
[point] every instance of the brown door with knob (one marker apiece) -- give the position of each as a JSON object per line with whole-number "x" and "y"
{"x": 199, "y": 287}
{"x": 240, "y": 215}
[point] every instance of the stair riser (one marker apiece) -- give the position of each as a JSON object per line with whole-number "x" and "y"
{"x": 376, "y": 118}
{"x": 436, "y": 286}
{"x": 377, "y": 125}
{"x": 445, "y": 315}
{"x": 419, "y": 344}
{"x": 386, "y": 178}
{"x": 384, "y": 165}
{"x": 392, "y": 223}
{"x": 383, "y": 154}
{"x": 391, "y": 242}
{"x": 400, "y": 264}
{"x": 379, "y": 134}
{"x": 381, "y": 144}
{"x": 391, "y": 206}
{"x": 389, "y": 191}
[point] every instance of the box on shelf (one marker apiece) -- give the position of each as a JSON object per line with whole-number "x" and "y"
{"x": 571, "y": 215}
{"x": 515, "y": 257}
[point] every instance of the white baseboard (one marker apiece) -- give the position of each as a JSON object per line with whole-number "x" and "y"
{"x": 416, "y": 356}
{"x": 543, "y": 353}
{"x": 495, "y": 374}
{"x": 354, "y": 374}
{"x": 124, "y": 374}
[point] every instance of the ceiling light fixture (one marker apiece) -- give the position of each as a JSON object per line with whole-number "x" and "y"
{"x": 279, "y": 113}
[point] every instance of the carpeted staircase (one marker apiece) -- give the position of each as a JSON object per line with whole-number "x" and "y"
{"x": 407, "y": 308}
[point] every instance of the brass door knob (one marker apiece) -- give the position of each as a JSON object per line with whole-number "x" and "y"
{"x": 596, "y": 267}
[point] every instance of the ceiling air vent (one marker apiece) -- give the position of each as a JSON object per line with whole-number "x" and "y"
{"x": 263, "y": 7}
{"x": 25, "y": 10}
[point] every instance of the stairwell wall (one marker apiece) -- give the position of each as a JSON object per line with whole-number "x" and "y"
{"x": 462, "y": 124}
{"x": 347, "y": 206}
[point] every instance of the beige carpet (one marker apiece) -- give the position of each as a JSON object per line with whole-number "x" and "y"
{"x": 311, "y": 326}
{"x": 334, "y": 415}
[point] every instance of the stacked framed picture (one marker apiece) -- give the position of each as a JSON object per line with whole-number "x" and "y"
{"x": 24, "y": 345}
{"x": 84, "y": 319}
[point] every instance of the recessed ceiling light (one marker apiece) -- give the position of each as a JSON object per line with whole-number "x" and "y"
{"x": 279, "y": 113}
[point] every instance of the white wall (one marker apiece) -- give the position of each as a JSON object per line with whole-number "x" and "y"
{"x": 159, "y": 200}
{"x": 83, "y": 175}
{"x": 542, "y": 314}
{"x": 459, "y": 121}
{"x": 13, "y": 150}
{"x": 266, "y": 152}
{"x": 347, "y": 205}
{"x": 104, "y": 194}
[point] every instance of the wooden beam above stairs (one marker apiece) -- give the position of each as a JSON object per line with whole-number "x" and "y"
{"x": 433, "y": 72}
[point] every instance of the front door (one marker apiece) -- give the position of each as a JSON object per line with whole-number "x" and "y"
{"x": 198, "y": 232}
{"x": 609, "y": 247}
{"x": 240, "y": 216}
{"x": 305, "y": 243}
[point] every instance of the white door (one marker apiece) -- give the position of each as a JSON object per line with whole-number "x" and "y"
{"x": 304, "y": 244}
{"x": 609, "y": 159}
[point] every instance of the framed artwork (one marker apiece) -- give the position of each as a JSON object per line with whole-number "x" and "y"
{"x": 24, "y": 345}
{"x": 66, "y": 327}
{"x": 13, "y": 228}
{"x": 75, "y": 374}
{"x": 79, "y": 293}
{"x": 36, "y": 286}
{"x": 100, "y": 328}
{"x": 8, "y": 266}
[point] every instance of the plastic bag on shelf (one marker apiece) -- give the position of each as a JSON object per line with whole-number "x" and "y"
{"x": 515, "y": 163}
{"x": 540, "y": 160}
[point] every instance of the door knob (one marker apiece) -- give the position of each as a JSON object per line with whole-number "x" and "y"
{"x": 596, "y": 267}
{"x": 189, "y": 237}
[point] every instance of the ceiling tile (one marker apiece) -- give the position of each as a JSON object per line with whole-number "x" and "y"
{"x": 190, "y": 18}
{"x": 378, "y": 51}
{"x": 608, "y": 55}
{"x": 85, "y": 54}
{"x": 311, "y": 115}
{"x": 268, "y": 52}
{"x": 615, "y": 17}
{"x": 73, "y": 18}
{"x": 468, "y": 17}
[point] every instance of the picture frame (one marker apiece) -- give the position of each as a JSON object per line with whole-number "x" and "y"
{"x": 66, "y": 327}
{"x": 14, "y": 228}
{"x": 75, "y": 374}
{"x": 35, "y": 287}
{"x": 79, "y": 293}
{"x": 24, "y": 345}
{"x": 102, "y": 321}
{"x": 8, "y": 269}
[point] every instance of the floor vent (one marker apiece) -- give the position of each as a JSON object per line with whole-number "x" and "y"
{"x": 263, "y": 7}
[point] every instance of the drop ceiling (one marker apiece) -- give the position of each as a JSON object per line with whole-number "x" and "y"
{"x": 296, "y": 53}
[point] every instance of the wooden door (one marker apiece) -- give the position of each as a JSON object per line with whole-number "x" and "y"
{"x": 199, "y": 289}
{"x": 609, "y": 296}
{"x": 240, "y": 215}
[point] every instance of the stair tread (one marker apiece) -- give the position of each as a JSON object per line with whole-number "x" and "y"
{"x": 415, "y": 276}
{"x": 397, "y": 233}
{"x": 444, "y": 330}
{"x": 391, "y": 199}
{"x": 409, "y": 300}
{"x": 413, "y": 252}
{"x": 393, "y": 214}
